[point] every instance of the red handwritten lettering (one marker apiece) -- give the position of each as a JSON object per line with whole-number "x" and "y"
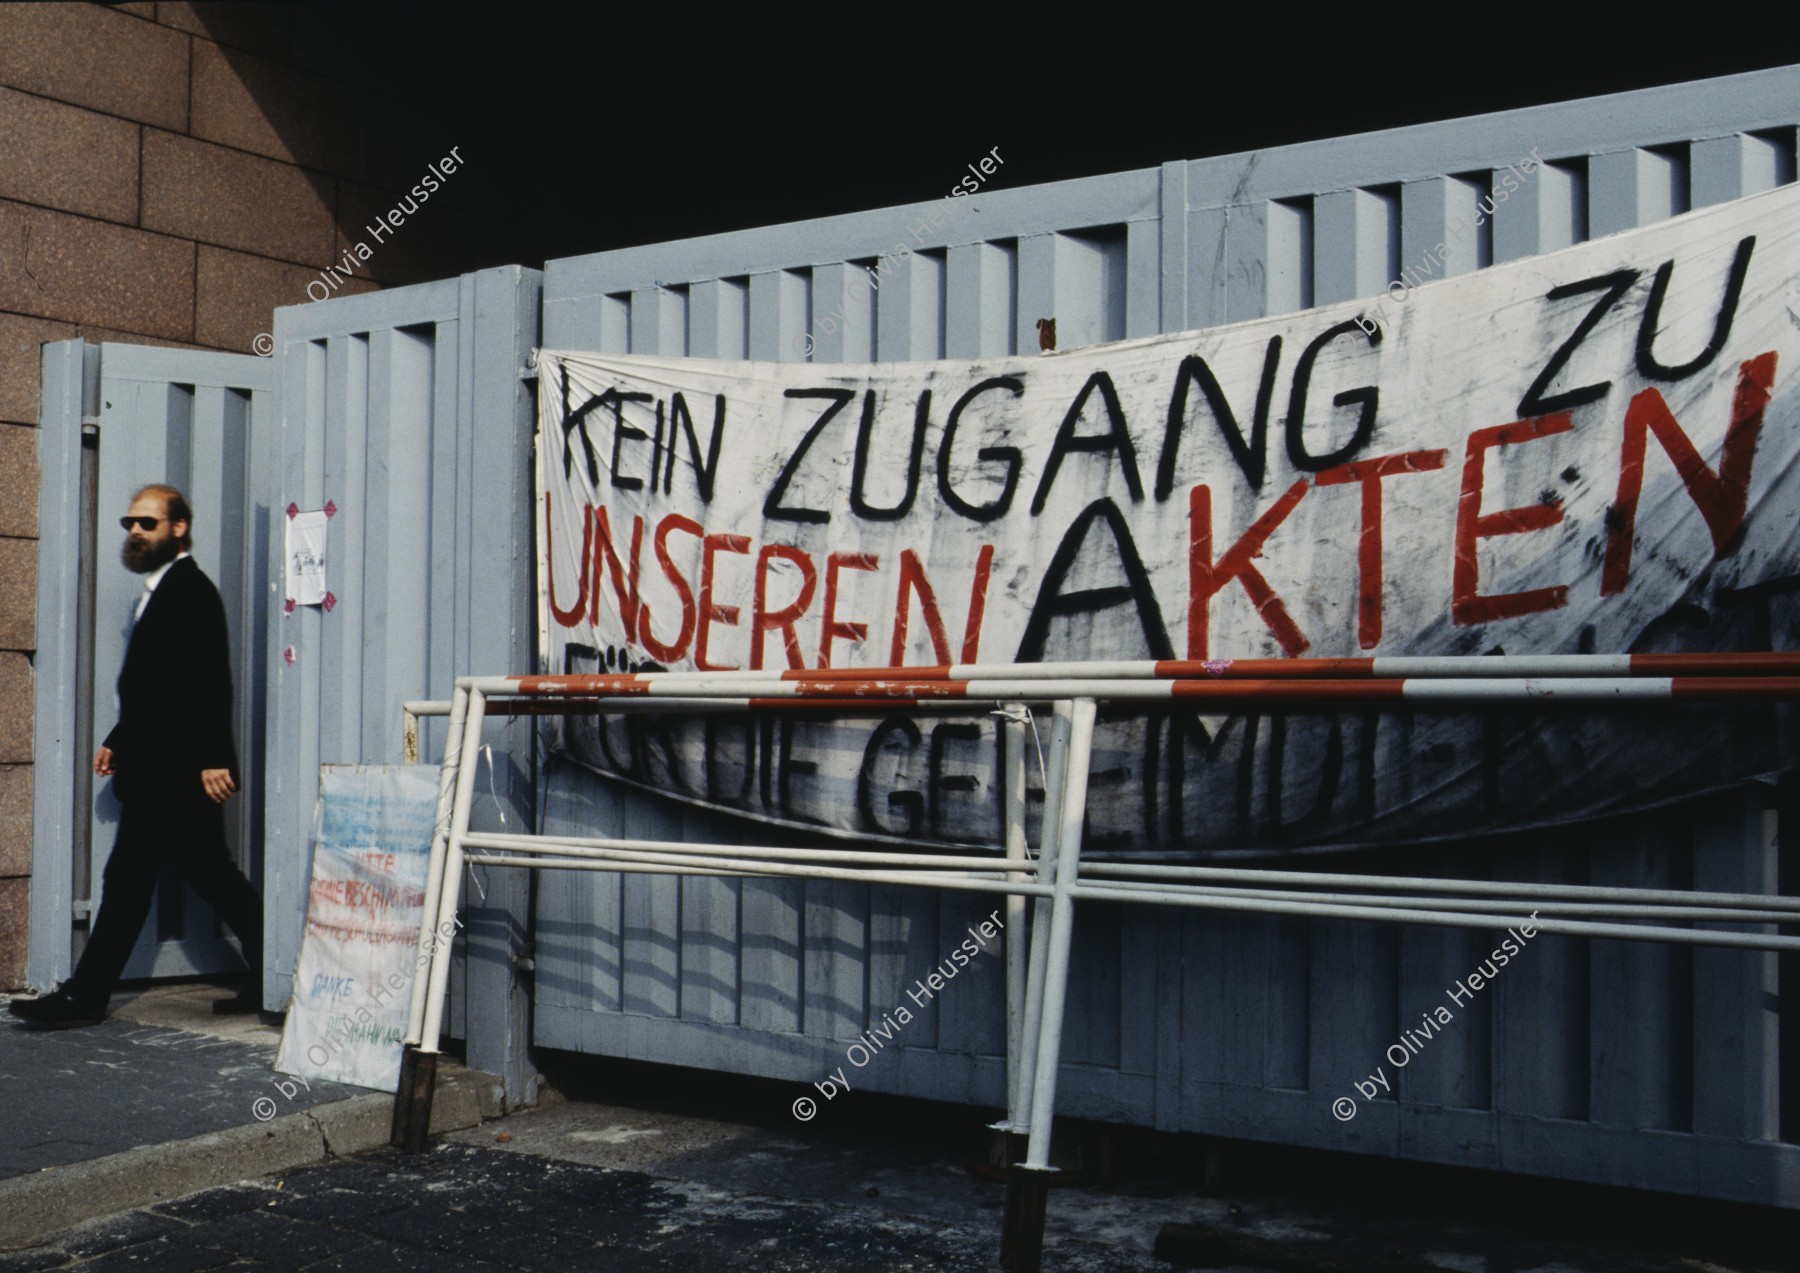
{"x": 1472, "y": 525}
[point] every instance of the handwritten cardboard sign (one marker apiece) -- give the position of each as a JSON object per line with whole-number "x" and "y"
{"x": 359, "y": 954}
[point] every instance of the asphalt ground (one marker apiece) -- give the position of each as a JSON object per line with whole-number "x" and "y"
{"x": 633, "y": 1167}
{"x": 474, "y": 1209}
{"x": 1268, "y": 1207}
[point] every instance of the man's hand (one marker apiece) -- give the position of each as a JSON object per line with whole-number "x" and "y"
{"x": 103, "y": 761}
{"x": 218, "y": 784}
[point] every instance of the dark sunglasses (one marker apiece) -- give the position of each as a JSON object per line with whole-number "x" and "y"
{"x": 142, "y": 523}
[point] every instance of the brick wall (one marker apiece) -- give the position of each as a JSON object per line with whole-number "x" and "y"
{"x": 169, "y": 174}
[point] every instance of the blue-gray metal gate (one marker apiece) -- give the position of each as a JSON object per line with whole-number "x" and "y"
{"x": 114, "y": 418}
{"x": 1598, "y": 1060}
{"x": 408, "y": 412}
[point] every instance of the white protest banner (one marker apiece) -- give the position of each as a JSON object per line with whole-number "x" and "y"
{"x": 353, "y": 981}
{"x": 1592, "y": 450}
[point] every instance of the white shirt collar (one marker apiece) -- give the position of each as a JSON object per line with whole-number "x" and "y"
{"x": 152, "y": 579}
{"x": 155, "y": 576}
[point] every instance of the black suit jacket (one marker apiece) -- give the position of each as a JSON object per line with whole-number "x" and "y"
{"x": 174, "y": 693}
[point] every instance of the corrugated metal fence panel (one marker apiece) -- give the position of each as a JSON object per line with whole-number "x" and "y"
{"x": 67, "y": 366}
{"x": 1595, "y": 1060}
{"x": 193, "y": 418}
{"x": 405, "y": 409}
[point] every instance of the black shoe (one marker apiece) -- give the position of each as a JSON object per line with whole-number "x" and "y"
{"x": 59, "y": 1011}
{"x": 242, "y": 1003}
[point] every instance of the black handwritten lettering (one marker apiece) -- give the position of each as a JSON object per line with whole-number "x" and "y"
{"x": 773, "y": 508}
{"x": 576, "y": 418}
{"x": 704, "y": 471}
{"x": 908, "y": 803}
{"x": 1536, "y": 401}
{"x": 1052, "y": 603}
{"x": 1326, "y": 769}
{"x": 859, "y": 471}
{"x": 1010, "y": 455}
{"x": 1117, "y": 438}
{"x": 1252, "y": 456}
{"x": 1185, "y": 726}
{"x": 717, "y": 757}
{"x": 621, "y": 431}
{"x": 942, "y": 735}
{"x": 1367, "y": 398}
{"x": 789, "y": 768}
{"x": 1647, "y": 365}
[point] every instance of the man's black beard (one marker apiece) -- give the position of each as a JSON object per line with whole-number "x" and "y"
{"x": 142, "y": 558}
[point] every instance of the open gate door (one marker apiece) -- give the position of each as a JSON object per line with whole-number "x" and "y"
{"x": 115, "y": 417}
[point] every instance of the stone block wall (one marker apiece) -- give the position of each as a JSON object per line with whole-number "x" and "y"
{"x": 169, "y": 174}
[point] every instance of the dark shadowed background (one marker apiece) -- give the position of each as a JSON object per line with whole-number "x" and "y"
{"x": 605, "y": 127}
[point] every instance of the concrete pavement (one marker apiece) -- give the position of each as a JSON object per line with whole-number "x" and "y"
{"x": 164, "y": 1099}
{"x": 160, "y": 1068}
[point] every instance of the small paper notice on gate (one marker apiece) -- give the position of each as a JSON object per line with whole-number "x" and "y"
{"x": 306, "y": 558}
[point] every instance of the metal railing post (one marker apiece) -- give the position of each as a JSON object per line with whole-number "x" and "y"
{"x": 1028, "y": 1184}
{"x": 1013, "y": 807}
{"x": 450, "y": 896}
{"x": 1050, "y": 837}
{"x": 406, "y": 1091}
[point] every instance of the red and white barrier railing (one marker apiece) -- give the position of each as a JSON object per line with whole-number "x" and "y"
{"x": 1388, "y": 666}
{"x": 1055, "y": 877}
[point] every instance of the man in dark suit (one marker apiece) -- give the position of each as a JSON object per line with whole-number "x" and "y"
{"x": 172, "y": 763}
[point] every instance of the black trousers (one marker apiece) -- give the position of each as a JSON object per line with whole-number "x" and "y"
{"x": 186, "y": 836}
